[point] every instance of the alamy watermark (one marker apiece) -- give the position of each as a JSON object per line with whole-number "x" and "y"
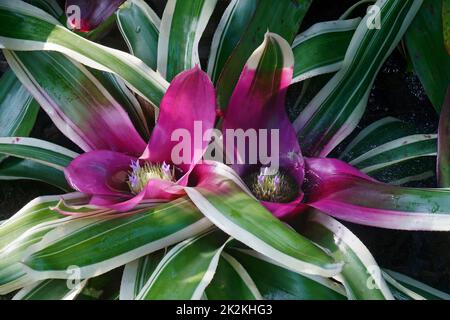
{"x": 236, "y": 146}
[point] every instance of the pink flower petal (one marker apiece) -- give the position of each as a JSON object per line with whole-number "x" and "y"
{"x": 188, "y": 108}
{"x": 100, "y": 173}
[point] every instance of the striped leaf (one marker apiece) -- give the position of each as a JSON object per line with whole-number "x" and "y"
{"x": 40, "y": 151}
{"x": 139, "y": 26}
{"x": 396, "y": 151}
{"x": 186, "y": 270}
{"x": 360, "y": 275}
{"x": 52, "y": 289}
{"x": 336, "y": 110}
{"x": 182, "y": 26}
{"x": 228, "y": 34}
{"x": 281, "y": 17}
{"x": 137, "y": 273}
{"x": 27, "y": 28}
{"x": 278, "y": 283}
{"x": 18, "y": 110}
{"x": 389, "y": 151}
{"x": 406, "y": 288}
{"x": 424, "y": 41}
{"x": 222, "y": 200}
{"x": 76, "y": 102}
{"x": 231, "y": 282}
{"x": 24, "y": 229}
{"x": 321, "y": 49}
{"x": 98, "y": 245}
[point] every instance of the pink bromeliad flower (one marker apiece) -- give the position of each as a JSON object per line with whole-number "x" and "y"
{"x": 140, "y": 173}
{"x": 258, "y": 102}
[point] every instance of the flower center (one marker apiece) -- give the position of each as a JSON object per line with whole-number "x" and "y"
{"x": 276, "y": 187}
{"x": 139, "y": 176}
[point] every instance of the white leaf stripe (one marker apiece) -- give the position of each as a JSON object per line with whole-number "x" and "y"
{"x": 363, "y": 254}
{"x": 173, "y": 254}
{"x": 401, "y": 288}
{"x": 218, "y": 38}
{"x": 274, "y": 40}
{"x": 326, "y": 282}
{"x": 209, "y": 274}
{"x": 168, "y": 38}
{"x": 137, "y": 273}
{"x": 324, "y": 28}
{"x": 243, "y": 235}
{"x": 372, "y": 128}
{"x": 316, "y": 31}
{"x": 401, "y": 278}
{"x": 243, "y": 274}
{"x": 392, "y": 146}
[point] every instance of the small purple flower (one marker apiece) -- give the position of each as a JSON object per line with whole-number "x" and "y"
{"x": 135, "y": 166}
{"x": 166, "y": 168}
{"x": 261, "y": 177}
{"x": 133, "y": 179}
{"x": 276, "y": 181}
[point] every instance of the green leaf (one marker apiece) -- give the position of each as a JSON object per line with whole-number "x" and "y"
{"x": 97, "y": 245}
{"x": 136, "y": 274}
{"x": 321, "y": 49}
{"x": 41, "y": 151}
{"x": 390, "y": 151}
{"x": 18, "y": 110}
{"x": 186, "y": 270}
{"x": 406, "y": 288}
{"x": 424, "y": 41}
{"x": 281, "y": 17}
{"x": 139, "y": 26}
{"x": 222, "y": 200}
{"x": 232, "y": 282}
{"x": 278, "y": 283}
{"x": 336, "y": 110}
{"x": 27, "y": 28}
{"x": 18, "y": 169}
{"x": 182, "y": 26}
{"x": 52, "y": 289}
{"x": 360, "y": 275}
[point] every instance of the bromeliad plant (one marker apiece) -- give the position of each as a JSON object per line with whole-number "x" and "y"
{"x": 137, "y": 225}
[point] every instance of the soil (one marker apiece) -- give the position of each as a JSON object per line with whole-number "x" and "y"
{"x": 397, "y": 92}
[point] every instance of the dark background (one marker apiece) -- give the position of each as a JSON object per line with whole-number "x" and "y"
{"x": 397, "y": 92}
